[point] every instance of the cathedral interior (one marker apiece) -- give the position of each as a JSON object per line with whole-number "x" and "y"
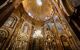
{"x": 39, "y": 24}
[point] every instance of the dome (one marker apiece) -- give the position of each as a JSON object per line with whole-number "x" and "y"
{"x": 38, "y": 9}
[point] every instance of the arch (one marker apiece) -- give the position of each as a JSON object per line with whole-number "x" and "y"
{"x": 4, "y": 4}
{"x": 64, "y": 9}
{"x": 68, "y": 6}
{"x": 11, "y": 22}
{"x": 24, "y": 27}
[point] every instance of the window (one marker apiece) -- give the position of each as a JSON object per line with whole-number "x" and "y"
{"x": 37, "y": 33}
{"x": 10, "y": 22}
{"x": 24, "y": 28}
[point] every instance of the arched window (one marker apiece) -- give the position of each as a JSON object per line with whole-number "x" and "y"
{"x": 24, "y": 28}
{"x": 37, "y": 33}
{"x": 10, "y": 22}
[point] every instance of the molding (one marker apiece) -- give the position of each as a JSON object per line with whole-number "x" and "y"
{"x": 4, "y": 4}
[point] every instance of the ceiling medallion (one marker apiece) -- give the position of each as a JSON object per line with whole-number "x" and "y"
{"x": 38, "y": 9}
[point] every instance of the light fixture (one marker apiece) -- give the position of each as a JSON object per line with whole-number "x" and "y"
{"x": 39, "y": 2}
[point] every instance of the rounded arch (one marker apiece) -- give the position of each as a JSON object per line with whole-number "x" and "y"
{"x": 64, "y": 9}
{"x": 25, "y": 27}
{"x": 68, "y": 6}
{"x": 4, "y": 3}
{"x": 15, "y": 21}
{"x": 11, "y": 21}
